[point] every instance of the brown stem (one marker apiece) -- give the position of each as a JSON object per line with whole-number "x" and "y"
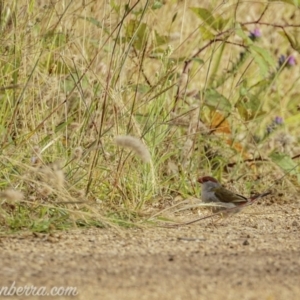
{"x": 230, "y": 165}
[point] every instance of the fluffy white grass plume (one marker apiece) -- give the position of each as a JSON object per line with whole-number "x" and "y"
{"x": 11, "y": 195}
{"x": 45, "y": 191}
{"x": 135, "y": 145}
{"x": 78, "y": 151}
{"x": 52, "y": 175}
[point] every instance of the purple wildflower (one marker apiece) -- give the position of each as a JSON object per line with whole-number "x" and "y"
{"x": 291, "y": 60}
{"x": 278, "y": 120}
{"x": 274, "y": 125}
{"x": 255, "y": 34}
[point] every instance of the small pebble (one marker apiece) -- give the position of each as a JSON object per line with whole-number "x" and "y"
{"x": 246, "y": 243}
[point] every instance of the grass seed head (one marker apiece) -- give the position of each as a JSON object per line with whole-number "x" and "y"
{"x": 52, "y": 174}
{"x": 12, "y": 195}
{"x": 135, "y": 145}
{"x": 45, "y": 190}
{"x": 78, "y": 153}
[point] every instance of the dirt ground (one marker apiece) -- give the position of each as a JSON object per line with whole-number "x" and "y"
{"x": 252, "y": 255}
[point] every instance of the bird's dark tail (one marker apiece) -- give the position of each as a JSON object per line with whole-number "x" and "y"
{"x": 256, "y": 197}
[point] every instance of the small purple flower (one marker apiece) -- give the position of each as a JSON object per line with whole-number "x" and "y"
{"x": 255, "y": 34}
{"x": 291, "y": 60}
{"x": 278, "y": 120}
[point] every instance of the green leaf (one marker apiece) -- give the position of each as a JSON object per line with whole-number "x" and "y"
{"x": 115, "y": 7}
{"x": 138, "y": 31}
{"x": 241, "y": 33}
{"x": 206, "y": 16}
{"x": 249, "y": 105}
{"x": 174, "y": 17}
{"x": 157, "y": 5}
{"x": 217, "y": 65}
{"x": 295, "y": 119}
{"x": 284, "y": 162}
{"x": 263, "y": 58}
{"x": 160, "y": 39}
{"x": 265, "y": 54}
{"x": 216, "y": 100}
{"x": 131, "y": 28}
{"x": 221, "y": 23}
{"x": 249, "y": 113}
{"x": 141, "y": 88}
{"x": 198, "y": 60}
{"x": 206, "y": 34}
{"x": 158, "y": 53}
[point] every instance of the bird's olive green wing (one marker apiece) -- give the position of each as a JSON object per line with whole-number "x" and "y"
{"x": 229, "y": 197}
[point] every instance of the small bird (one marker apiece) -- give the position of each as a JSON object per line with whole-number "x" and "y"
{"x": 214, "y": 192}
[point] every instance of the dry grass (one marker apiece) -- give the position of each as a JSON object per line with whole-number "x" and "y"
{"x": 76, "y": 74}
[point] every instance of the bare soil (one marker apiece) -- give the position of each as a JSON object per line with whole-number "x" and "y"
{"x": 252, "y": 255}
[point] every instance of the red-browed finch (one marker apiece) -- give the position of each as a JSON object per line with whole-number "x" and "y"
{"x": 213, "y": 192}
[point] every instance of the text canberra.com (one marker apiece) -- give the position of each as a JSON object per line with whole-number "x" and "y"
{"x": 30, "y": 290}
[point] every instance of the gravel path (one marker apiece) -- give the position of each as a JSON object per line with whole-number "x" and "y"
{"x": 252, "y": 255}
